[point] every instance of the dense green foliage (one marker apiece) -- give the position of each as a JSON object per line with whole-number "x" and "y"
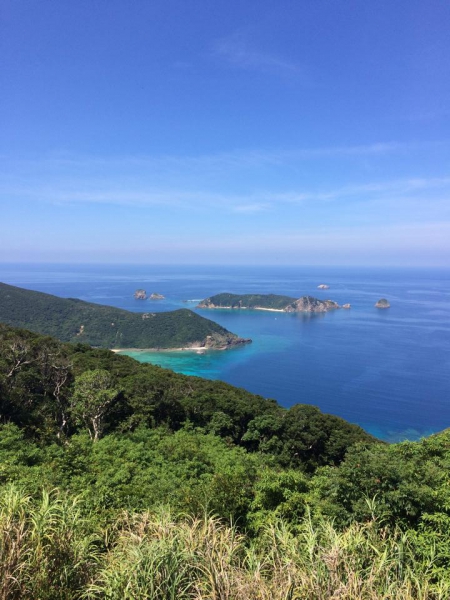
{"x": 319, "y": 509}
{"x": 226, "y": 300}
{"x": 72, "y": 320}
{"x": 53, "y": 390}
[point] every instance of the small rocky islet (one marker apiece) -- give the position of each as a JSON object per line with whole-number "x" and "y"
{"x": 382, "y": 303}
{"x": 141, "y": 294}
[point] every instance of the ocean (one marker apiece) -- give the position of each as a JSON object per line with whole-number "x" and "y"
{"x": 386, "y": 370}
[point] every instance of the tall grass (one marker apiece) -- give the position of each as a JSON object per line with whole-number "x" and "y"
{"x": 48, "y": 551}
{"x": 362, "y": 562}
{"x": 156, "y": 557}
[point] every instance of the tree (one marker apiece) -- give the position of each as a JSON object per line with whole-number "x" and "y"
{"x": 93, "y": 396}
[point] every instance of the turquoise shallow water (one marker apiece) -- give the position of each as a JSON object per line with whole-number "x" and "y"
{"x": 387, "y": 370}
{"x": 212, "y": 364}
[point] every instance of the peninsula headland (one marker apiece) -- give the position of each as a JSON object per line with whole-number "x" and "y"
{"x": 73, "y": 320}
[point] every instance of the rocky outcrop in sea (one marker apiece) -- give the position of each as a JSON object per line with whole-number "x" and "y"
{"x": 310, "y": 304}
{"x": 382, "y": 303}
{"x": 140, "y": 295}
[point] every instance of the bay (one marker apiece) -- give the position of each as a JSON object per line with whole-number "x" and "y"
{"x": 387, "y": 370}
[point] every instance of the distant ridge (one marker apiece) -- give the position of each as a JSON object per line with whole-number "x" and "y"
{"x": 73, "y": 320}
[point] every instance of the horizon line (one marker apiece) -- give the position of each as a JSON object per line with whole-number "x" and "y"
{"x": 213, "y": 265}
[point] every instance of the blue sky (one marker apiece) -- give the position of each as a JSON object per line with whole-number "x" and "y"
{"x": 228, "y": 132}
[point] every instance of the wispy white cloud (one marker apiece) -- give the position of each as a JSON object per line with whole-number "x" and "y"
{"x": 406, "y": 244}
{"x": 427, "y": 115}
{"x": 264, "y": 184}
{"x": 238, "y": 52}
{"x": 251, "y": 208}
{"x": 242, "y": 159}
{"x": 398, "y": 187}
{"x": 414, "y": 244}
{"x": 401, "y": 192}
{"x": 434, "y": 233}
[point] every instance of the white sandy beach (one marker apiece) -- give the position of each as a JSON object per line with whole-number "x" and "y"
{"x": 186, "y": 349}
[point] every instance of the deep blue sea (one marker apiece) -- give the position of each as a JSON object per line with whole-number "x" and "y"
{"x": 387, "y": 370}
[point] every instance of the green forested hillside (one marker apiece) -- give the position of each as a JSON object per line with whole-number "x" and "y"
{"x": 122, "y": 480}
{"x": 73, "y": 320}
{"x": 35, "y": 368}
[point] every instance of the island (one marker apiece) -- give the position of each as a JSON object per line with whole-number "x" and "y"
{"x": 382, "y": 303}
{"x": 271, "y": 302}
{"x": 73, "y": 320}
{"x": 323, "y": 286}
{"x": 156, "y": 296}
{"x": 140, "y": 295}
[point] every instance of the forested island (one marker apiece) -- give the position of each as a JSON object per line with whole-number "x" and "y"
{"x": 272, "y": 302}
{"x": 72, "y": 320}
{"x": 125, "y": 480}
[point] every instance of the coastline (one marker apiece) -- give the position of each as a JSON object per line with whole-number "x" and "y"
{"x": 118, "y": 350}
{"x": 277, "y": 310}
{"x": 197, "y": 349}
{"x": 241, "y": 308}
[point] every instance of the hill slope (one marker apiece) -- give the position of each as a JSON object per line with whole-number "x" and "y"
{"x": 327, "y": 511}
{"x": 37, "y": 376}
{"x": 72, "y": 320}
